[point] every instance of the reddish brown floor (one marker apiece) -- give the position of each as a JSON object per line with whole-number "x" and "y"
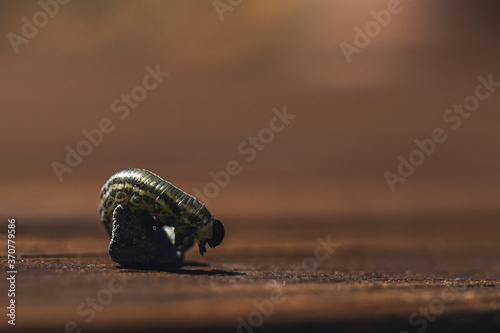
{"x": 433, "y": 273}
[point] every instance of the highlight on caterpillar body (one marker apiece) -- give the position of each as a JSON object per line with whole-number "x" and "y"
{"x": 151, "y": 220}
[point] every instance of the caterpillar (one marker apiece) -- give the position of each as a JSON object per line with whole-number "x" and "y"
{"x": 140, "y": 192}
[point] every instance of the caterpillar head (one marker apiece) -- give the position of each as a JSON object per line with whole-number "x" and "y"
{"x": 212, "y": 233}
{"x": 217, "y": 234}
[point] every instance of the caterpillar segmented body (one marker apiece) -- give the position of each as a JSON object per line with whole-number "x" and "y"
{"x": 143, "y": 191}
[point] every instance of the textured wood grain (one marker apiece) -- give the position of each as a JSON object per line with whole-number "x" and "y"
{"x": 271, "y": 275}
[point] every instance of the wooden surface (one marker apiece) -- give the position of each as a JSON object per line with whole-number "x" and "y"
{"x": 270, "y": 274}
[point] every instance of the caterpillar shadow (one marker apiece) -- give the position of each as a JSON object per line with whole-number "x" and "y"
{"x": 182, "y": 270}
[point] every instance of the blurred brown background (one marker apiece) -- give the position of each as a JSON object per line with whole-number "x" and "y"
{"x": 353, "y": 119}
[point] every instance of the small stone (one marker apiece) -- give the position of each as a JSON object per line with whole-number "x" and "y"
{"x": 138, "y": 241}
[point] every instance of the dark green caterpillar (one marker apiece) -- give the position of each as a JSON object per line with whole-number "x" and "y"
{"x": 142, "y": 191}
